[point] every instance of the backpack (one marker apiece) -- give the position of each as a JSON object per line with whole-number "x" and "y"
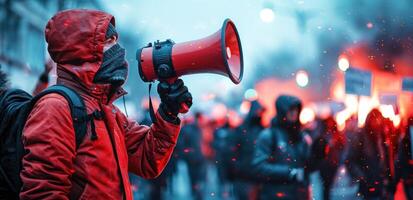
{"x": 15, "y": 107}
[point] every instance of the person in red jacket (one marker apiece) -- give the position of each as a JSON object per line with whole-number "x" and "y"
{"x": 89, "y": 60}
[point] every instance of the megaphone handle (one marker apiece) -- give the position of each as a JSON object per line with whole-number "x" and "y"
{"x": 184, "y": 108}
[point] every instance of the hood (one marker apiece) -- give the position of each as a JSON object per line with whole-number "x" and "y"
{"x": 329, "y": 126}
{"x": 75, "y": 42}
{"x": 253, "y": 117}
{"x": 284, "y": 103}
{"x": 374, "y": 123}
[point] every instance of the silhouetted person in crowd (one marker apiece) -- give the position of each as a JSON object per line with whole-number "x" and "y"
{"x": 244, "y": 143}
{"x": 327, "y": 154}
{"x": 282, "y": 153}
{"x": 224, "y": 147}
{"x": 404, "y": 161}
{"x": 369, "y": 162}
{"x": 189, "y": 146}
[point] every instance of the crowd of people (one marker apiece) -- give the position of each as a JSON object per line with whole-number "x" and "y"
{"x": 275, "y": 162}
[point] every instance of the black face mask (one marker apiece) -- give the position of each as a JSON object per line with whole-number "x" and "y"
{"x": 114, "y": 68}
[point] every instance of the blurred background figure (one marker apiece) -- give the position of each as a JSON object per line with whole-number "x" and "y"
{"x": 369, "y": 162}
{"x": 245, "y": 145}
{"x": 282, "y": 153}
{"x": 189, "y": 148}
{"x": 43, "y": 81}
{"x": 328, "y": 154}
{"x": 225, "y": 147}
{"x": 404, "y": 161}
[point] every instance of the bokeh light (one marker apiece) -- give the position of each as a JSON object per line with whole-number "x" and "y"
{"x": 267, "y": 15}
{"x": 251, "y": 95}
{"x": 307, "y": 115}
{"x": 302, "y": 78}
{"x": 369, "y": 25}
{"x": 343, "y": 64}
{"x": 245, "y": 106}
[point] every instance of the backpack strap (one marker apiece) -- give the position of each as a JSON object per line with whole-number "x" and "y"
{"x": 77, "y": 108}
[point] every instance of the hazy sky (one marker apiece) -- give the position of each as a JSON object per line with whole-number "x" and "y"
{"x": 303, "y": 35}
{"x": 192, "y": 19}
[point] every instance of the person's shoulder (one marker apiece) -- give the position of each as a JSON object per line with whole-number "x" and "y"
{"x": 48, "y": 107}
{"x": 52, "y": 102}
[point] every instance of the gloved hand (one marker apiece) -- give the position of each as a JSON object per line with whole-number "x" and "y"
{"x": 175, "y": 99}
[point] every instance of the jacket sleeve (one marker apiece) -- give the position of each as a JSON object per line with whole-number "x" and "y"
{"x": 49, "y": 141}
{"x": 266, "y": 170}
{"x": 150, "y": 148}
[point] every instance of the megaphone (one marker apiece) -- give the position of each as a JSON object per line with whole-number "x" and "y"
{"x": 219, "y": 53}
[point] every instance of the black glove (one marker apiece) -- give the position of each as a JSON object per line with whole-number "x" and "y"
{"x": 174, "y": 97}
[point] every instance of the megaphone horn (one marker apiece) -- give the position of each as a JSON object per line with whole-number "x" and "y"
{"x": 219, "y": 53}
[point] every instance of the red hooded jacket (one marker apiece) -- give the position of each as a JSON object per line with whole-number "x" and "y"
{"x": 53, "y": 168}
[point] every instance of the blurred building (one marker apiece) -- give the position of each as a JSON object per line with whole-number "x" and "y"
{"x": 23, "y": 49}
